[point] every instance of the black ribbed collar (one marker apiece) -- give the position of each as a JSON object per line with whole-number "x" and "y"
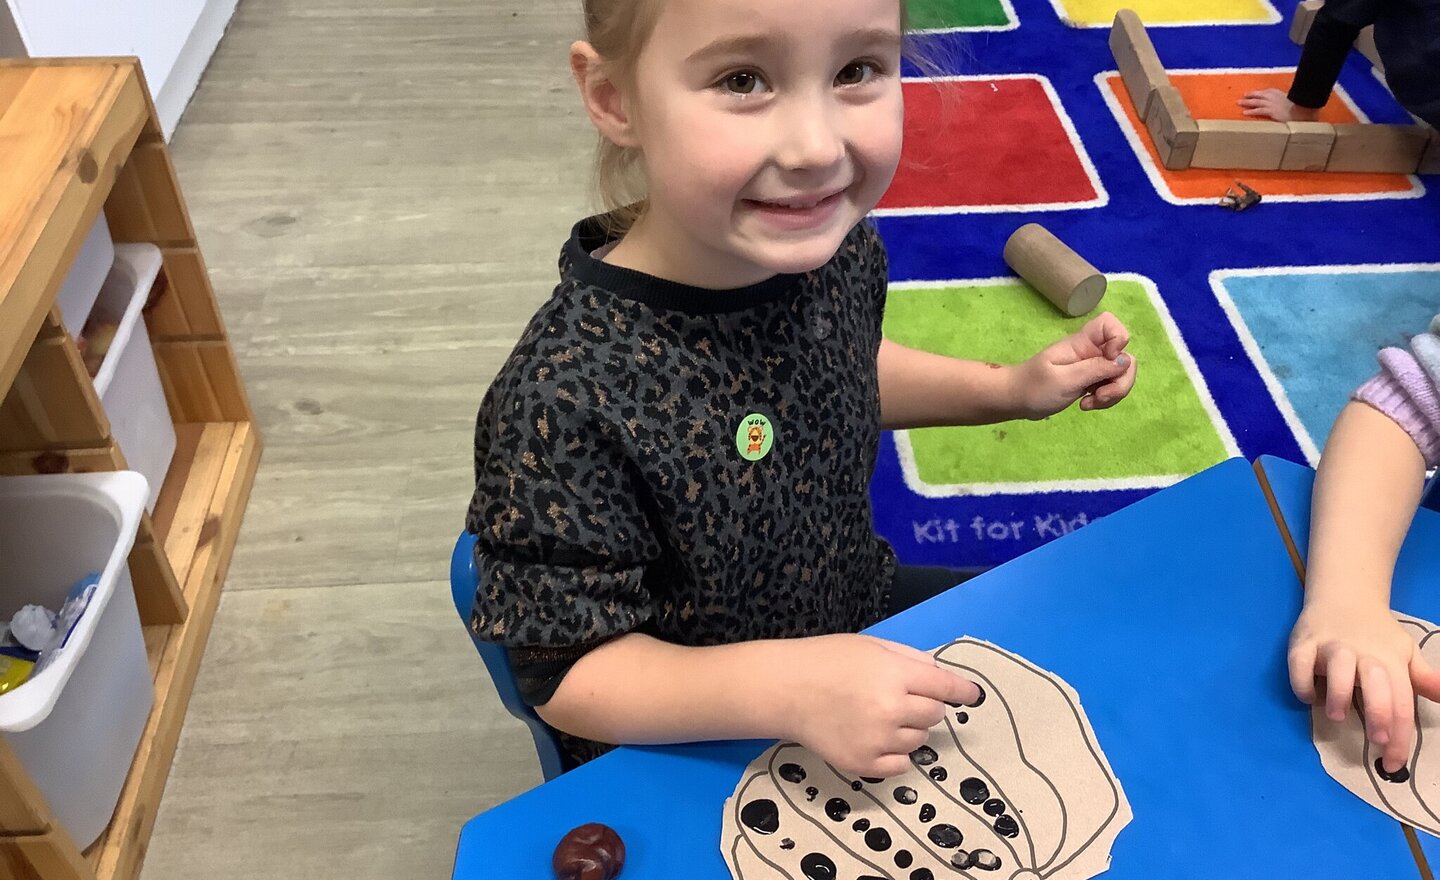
{"x": 590, "y": 235}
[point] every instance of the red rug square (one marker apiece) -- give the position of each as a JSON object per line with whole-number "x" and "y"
{"x": 989, "y": 143}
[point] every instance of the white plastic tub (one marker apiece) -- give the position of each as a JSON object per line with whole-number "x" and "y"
{"x": 128, "y": 382}
{"x": 76, "y": 725}
{"x": 82, "y": 283}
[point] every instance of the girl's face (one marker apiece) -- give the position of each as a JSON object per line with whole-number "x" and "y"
{"x": 769, "y": 128}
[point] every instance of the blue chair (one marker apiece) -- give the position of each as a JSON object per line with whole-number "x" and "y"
{"x": 1431, "y": 498}
{"x": 464, "y": 579}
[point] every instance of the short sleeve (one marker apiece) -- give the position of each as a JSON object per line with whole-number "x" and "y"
{"x": 562, "y": 540}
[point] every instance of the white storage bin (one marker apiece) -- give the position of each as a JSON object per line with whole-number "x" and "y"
{"x": 87, "y": 273}
{"x": 128, "y": 382}
{"x": 75, "y": 726}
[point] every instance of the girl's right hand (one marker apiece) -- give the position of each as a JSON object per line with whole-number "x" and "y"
{"x": 864, "y": 704}
{"x": 1348, "y": 645}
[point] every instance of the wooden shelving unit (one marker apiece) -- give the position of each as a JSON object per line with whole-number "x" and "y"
{"x": 78, "y": 136}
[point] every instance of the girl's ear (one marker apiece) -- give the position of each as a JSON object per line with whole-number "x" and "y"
{"x": 604, "y": 103}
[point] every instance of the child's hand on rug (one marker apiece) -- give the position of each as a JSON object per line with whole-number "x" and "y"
{"x": 864, "y": 704}
{"x": 1089, "y": 366}
{"x": 1276, "y": 105}
{"x": 1350, "y": 643}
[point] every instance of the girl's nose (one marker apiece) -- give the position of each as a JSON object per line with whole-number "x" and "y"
{"x": 810, "y": 138}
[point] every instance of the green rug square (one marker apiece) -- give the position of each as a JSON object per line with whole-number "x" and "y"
{"x": 958, "y": 14}
{"x": 1166, "y": 429}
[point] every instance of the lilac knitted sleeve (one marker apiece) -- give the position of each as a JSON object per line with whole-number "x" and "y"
{"x": 1406, "y": 393}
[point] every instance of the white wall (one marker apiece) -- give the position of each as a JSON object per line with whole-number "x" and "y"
{"x": 174, "y": 39}
{"x": 155, "y": 30}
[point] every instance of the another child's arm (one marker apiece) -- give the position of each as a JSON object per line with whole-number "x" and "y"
{"x": 861, "y": 703}
{"x": 1365, "y": 495}
{"x": 919, "y": 389}
{"x": 1331, "y": 35}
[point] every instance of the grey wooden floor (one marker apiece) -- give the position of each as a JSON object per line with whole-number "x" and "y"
{"x": 381, "y": 190}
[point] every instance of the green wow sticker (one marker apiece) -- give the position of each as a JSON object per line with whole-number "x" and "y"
{"x": 755, "y": 437}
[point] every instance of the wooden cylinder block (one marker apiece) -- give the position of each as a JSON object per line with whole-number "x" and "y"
{"x": 1051, "y": 267}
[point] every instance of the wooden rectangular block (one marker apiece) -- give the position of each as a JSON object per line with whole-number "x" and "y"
{"x": 1309, "y": 146}
{"x": 1300, "y": 24}
{"x": 1236, "y": 144}
{"x": 1137, "y": 61}
{"x": 1172, "y": 129}
{"x": 1430, "y": 162}
{"x": 1368, "y": 146}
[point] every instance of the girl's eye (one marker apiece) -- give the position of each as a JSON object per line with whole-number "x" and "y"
{"x": 855, "y": 73}
{"x": 743, "y": 82}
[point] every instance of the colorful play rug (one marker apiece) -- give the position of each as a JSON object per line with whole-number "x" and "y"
{"x": 1249, "y": 328}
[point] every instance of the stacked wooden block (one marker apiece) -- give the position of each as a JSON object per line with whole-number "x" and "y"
{"x": 1185, "y": 142}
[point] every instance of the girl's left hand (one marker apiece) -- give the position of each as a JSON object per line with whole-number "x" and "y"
{"x": 1090, "y": 366}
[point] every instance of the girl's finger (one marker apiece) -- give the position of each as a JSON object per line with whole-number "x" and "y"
{"x": 1376, "y": 698}
{"x": 1302, "y": 672}
{"x": 1339, "y": 683}
{"x": 1402, "y": 722}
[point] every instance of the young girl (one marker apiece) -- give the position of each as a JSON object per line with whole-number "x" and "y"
{"x": 674, "y": 527}
{"x": 1366, "y": 493}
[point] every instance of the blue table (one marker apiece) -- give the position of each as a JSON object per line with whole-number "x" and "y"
{"x": 1170, "y": 619}
{"x": 1416, "y": 586}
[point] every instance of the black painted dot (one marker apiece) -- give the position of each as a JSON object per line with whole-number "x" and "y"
{"x": 861, "y": 825}
{"x": 1006, "y": 826}
{"x": 811, "y": 793}
{"x": 792, "y": 773}
{"x": 924, "y": 756}
{"x": 873, "y": 780}
{"x": 906, "y": 795}
{"x": 817, "y": 866}
{"x": 947, "y": 836}
{"x": 837, "y": 809}
{"x": 995, "y": 807}
{"x": 921, "y": 874}
{"x": 856, "y": 785}
{"x": 761, "y": 816}
{"x": 787, "y": 843}
{"x": 978, "y": 700}
{"x": 903, "y": 859}
{"x": 877, "y": 839}
{"x": 938, "y": 773}
{"x": 962, "y": 717}
{"x": 1401, "y": 775}
{"x": 985, "y": 860}
{"x": 927, "y": 812}
{"x": 962, "y": 860}
{"x": 974, "y": 791}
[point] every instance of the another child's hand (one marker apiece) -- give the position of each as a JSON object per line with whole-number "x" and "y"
{"x": 1088, "y": 366}
{"x": 1346, "y": 645}
{"x": 864, "y": 704}
{"x": 1276, "y": 105}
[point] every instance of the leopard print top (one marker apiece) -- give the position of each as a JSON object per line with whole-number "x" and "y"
{"x": 611, "y": 492}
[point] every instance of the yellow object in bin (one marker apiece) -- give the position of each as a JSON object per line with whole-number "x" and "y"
{"x": 13, "y": 672}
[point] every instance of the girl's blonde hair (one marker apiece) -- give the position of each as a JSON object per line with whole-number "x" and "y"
{"x": 618, "y": 30}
